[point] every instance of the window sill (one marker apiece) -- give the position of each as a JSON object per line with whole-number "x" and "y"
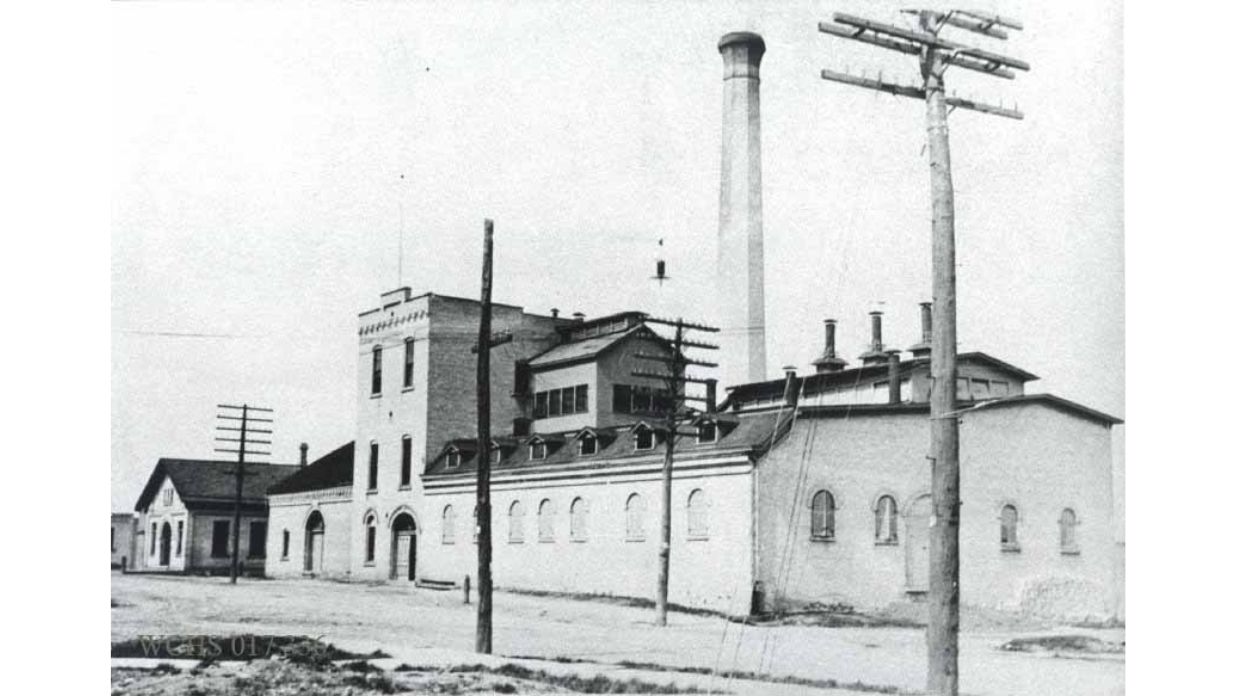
{"x": 371, "y": 491}
{"x": 448, "y": 543}
{"x": 515, "y": 541}
{"x": 697, "y": 537}
{"x": 544, "y": 541}
{"x": 376, "y": 395}
{"x": 1010, "y": 548}
{"x": 1070, "y": 552}
{"x": 405, "y": 487}
{"x": 283, "y": 559}
{"x": 369, "y": 564}
{"x": 827, "y": 539}
{"x": 890, "y": 542}
{"x": 405, "y": 390}
{"x": 579, "y": 541}
{"x": 637, "y": 539}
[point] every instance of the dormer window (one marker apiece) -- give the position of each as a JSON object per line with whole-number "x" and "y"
{"x": 706, "y": 431}
{"x": 537, "y": 449}
{"x": 587, "y": 444}
{"x": 644, "y": 438}
{"x": 452, "y": 458}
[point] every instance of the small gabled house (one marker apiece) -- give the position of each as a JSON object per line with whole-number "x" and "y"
{"x": 186, "y": 514}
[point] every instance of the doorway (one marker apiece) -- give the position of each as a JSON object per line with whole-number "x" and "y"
{"x": 918, "y": 544}
{"x": 315, "y": 542}
{"x": 165, "y": 545}
{"x": 403, "y": 548}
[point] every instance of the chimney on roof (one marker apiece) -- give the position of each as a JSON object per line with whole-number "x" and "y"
{"x": 875, "y": 353}
{"x": 710, "y": 395}
{"x": 578, "y": 317}
{"x": 923, "y": 347}
{"x": 304, "y": 454}
{"x": 829, "y": 362}
{"x": 790, "y": 395}
{"x": 894, "y": 377}
{"x": 553, "y": 312}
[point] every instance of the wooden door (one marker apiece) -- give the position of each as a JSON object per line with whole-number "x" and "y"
{"x": 317, "y": 547}
{"x": 405, "y": 552}
{"x": 918, "y": 544}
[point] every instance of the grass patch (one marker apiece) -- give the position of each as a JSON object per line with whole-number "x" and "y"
{"x": 752, "y": 676}
{"x": 596, "y": 684}
{"x": 1064, "y": 644}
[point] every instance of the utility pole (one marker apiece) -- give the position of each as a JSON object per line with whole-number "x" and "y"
{"x": 675, "y": 381}
{"x": 935, "y": 56}
{"x": 242, "y": 449}
{"x": 484, "y": 540}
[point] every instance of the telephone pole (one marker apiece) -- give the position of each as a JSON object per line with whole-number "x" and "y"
{"x": 241, "y": 450}
{"x": 675, "y": 382}
{"x": 935, "y": 56}
{"x": 484, "y": 540}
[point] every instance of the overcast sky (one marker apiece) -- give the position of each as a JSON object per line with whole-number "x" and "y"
{"x": 266, "y": 158}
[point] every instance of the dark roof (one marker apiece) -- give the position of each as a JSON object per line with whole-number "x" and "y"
{"x": 616, "y": 448}
{"x": 590, "y": 348}
{"x": 1050, "y": 400}
{"x": 814, "y": 383}
{"x": 204, "y": 483}
{"x": 331, "y": 470}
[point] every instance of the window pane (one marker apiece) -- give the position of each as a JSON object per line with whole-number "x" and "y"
{"x": 555, "y": 402}
{"x": 541, "y": 409}
{"x": 409, "y": 356}
{"x": 581, "y": 398}
{"x": 377, "y": 370}
{"x": 622, "y": 398}
{"x": 568, "y": 401}
{"x": 405, "y": 462}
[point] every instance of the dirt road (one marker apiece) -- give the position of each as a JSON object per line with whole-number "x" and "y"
{"x": 409, "y": 623}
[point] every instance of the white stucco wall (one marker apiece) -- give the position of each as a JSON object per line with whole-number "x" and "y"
{"x": 291, "y": 512}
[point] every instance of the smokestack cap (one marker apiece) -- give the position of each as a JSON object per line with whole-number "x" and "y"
{"x": 742, "y": 51}
{"x": 749, "y": 38}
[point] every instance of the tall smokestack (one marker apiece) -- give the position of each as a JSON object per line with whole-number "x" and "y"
{"x": 829, "y": 362}
{"x": 740, "y": 258}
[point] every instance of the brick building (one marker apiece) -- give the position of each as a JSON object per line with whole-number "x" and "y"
{"x": 811, "y": 489}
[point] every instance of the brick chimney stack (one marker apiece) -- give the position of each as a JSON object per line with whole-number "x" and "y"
{"x": 876, "y": 354}
{"x": 740, "y": 258}
{"x": 304, "y": 454}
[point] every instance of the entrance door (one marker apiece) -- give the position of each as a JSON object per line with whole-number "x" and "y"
{"x": 403, "y": 555}
{"x": 165, "y": 545}
{"x": 918, "y": 544}
{"x": 315, "y": 542}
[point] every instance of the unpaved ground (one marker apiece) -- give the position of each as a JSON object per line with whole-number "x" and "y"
{"x": 411, "y": 623}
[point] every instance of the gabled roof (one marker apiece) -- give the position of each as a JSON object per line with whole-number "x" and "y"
{"x": 203, "y": 483}
{"x": 1050, "y": 400}
{"x": 751, "y": 433}
{"x": 331, "y": 470}
{"x": 591, "y": 348}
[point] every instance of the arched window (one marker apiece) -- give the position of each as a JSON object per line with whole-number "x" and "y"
{"x": 1008, "y": 528}
{"x": 697, "y": 514}
{"x": 823, "y": 515}
{"x": 515, "y": 530}
{"x": 1068, "y": 531}
{"x": 545, "y": 520}
{"x": 448, "y": 525}
{"x": 635, "y": 518}
{"x": 886, "y": 520}
{"x": 371, "y": 536}
{"x": 579, "y": 520}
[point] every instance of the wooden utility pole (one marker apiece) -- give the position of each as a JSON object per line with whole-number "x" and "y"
{"x": 484, "y": 539}
{"x": 243, "y": 441}
{"x": 675, "y": 382}
{"x": 935, "y": 56}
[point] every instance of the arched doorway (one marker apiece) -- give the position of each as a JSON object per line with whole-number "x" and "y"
{"x": 165, "y": 545}
{"x": 315, "y": 542}
{"x": 403, "y": 547}
{"x": 918, "y": 544}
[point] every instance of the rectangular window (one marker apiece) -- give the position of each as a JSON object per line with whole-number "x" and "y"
{"x": 641, "y": 400}
{"x": 219, "y": 538}
{"x": 180, "y": 537}
{"x": 980, "y": 389}
{"x": 257, "y": 539}
{"x": 587, "y": 445}
{"x": 373, "y": 466}
{"x": 113, "y": 540}
{"x": 568, "y": 401}
{"x": 371, "y": 542}
{"x": 622, "y": 398}
{"x": 555, "y": 402}
{"x": 154, "y": 533}
{"x": 963, "y": 388}
{"x": 376, "y": 387}
{"x": 581, "y": 398}
{"x": 405, "y": 462}
{"x": 287, "y": 543}
{"x": 541, "y": 409}
{"x": 452, "y": 460}
{"x": 167, "y": 497}
{"x": 409, "y": 360}
{"x": 537, "y": 450}
{"x": 999, "y": 389}
{"x": 707, "y": 431}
